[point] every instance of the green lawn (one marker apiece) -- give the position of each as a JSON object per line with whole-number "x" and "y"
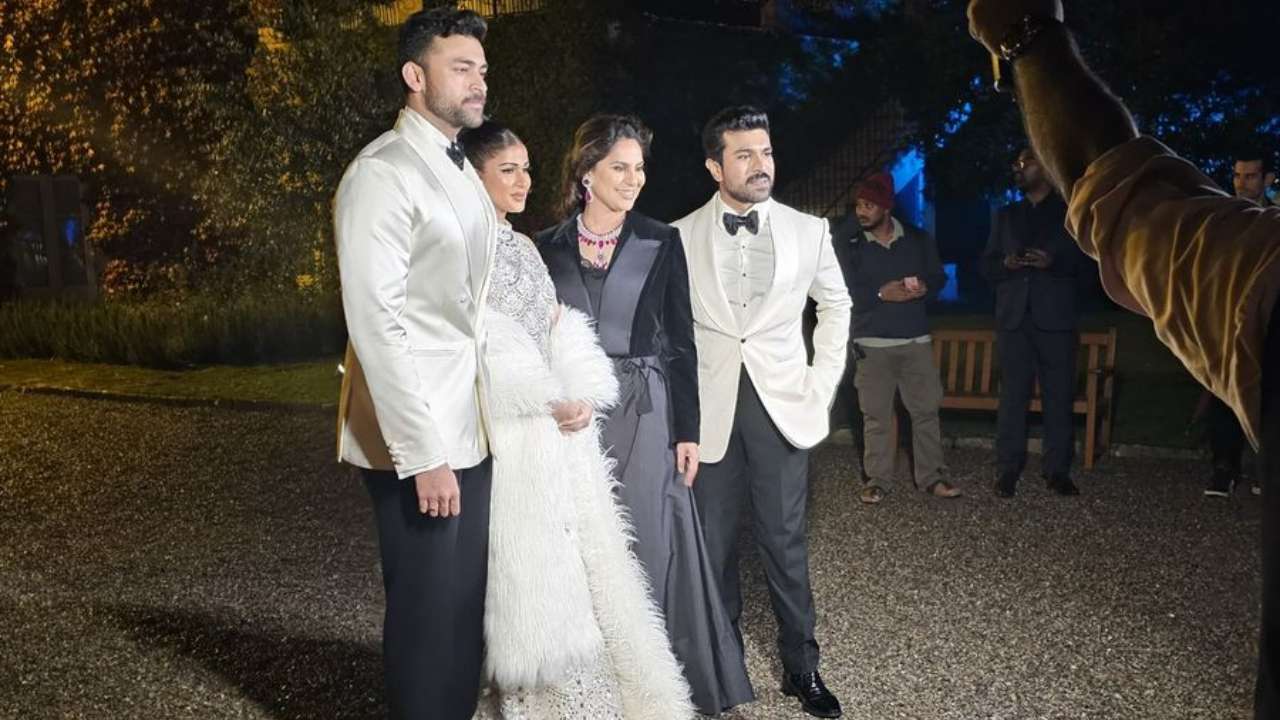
{"x": 313, "y": 383}
{"x": 1154, "y": 395}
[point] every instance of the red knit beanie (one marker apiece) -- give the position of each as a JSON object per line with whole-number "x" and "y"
{"x": 878, "y": 189}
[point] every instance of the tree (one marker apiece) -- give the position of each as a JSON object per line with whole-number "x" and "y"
{"x": 116, "y": 92}
{"x": 549, "y": 71}
{"x": 320, "y": 85}
{"x": 1200, "y": 81}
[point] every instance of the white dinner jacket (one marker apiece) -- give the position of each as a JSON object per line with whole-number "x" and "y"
{"x": 415, "y": 246}
{"x": 797, "y": 395}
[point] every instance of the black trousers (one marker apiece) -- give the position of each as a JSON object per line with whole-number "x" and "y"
{"x": 1267, "y": 696}
{"x": 1025, "y": 354}
{"x": 761, "y": 468}
{"x": 1226, "y": 438}
{"x": 434, "y": 571}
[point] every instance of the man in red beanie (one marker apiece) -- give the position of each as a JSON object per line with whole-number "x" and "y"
{"x": 892, "y": 269}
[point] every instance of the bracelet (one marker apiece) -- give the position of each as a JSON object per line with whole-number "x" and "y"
{"x": 1022, "y": 34}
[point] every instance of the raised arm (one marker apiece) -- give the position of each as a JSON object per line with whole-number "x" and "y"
{"x": 1053, "y": 85}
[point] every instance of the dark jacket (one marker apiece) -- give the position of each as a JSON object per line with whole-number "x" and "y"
{"x": 867, "y": 266}
{"x": 1048, "y": 295}
{"x": 645, "y": 303}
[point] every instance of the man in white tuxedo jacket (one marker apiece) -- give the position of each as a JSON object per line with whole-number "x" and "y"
{"x": 416, "y": 234}
{"x": 753, "y": 262}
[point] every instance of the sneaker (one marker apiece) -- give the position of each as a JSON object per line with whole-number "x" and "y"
{"x": 1221, "y": 483}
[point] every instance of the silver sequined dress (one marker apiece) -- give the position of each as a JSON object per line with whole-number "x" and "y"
{"x": 520, "y": 288}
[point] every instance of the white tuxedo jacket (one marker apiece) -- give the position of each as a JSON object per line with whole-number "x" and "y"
{"x": 416, "y": 240}
{"x": 770, "y": 346}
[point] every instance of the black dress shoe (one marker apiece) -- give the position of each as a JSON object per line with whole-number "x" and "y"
{"x": 815, "y": 698}
{"x": 1007, "y": 485}
{"x": 1061, "y": 484}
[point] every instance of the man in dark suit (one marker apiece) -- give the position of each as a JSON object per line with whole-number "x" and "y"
{"x": 1034, "y": 265}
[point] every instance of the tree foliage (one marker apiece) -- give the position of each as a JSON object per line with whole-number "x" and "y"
{"x": 320, "y": 85}
{"x": 1200, "y": 80}
{"x": 117, "y": 92}
{"x": 549, "y": 71}
{"x": 212, "y": 135}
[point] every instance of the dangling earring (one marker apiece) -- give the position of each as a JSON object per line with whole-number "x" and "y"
{"x": 586, "y": 190}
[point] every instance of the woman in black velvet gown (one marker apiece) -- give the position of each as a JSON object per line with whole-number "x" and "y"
{"x": 628, "y": 272}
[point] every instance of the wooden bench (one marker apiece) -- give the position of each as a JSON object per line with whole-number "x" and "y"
{"x": 966, "y": 360}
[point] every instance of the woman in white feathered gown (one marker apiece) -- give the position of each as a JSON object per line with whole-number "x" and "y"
{"x": 570, "y": 630}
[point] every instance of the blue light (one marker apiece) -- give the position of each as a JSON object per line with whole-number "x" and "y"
{"x": 908, "y": 180}
{"x": 71, "y": 231}
{"x": 950, "y": 291}
{"x": 827, "y": 50}
{"x": 956, "y": 119}
{"x": 907, "y": 167}
{"x": 791, "y": 84}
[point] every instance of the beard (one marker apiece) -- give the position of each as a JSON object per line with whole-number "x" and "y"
{"x": 751, "y": 195}
{"x": 868, "y": 224}
{"x": 455, "y": 113}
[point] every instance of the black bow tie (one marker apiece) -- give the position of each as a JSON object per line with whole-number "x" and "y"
{"x": 750, "y": 221}
{"x": 454, "y": 151}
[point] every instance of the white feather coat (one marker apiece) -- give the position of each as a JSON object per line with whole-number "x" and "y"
{"x": 563, "y": 585}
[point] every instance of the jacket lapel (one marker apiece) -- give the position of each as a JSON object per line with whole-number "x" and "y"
{"x": 782, "y": 233}
{"x": 704, "y": 271}
{"x": 480, "y": 239}
{"x": 561, "y": 258}
{"x": 632, "y": 261}
{"x": 487, "y": 244}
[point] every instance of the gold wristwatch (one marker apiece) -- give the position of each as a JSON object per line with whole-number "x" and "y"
{"x": 1022, "y": 34}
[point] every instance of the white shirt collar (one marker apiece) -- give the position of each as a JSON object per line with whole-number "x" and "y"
{"x": 897, "y": 233}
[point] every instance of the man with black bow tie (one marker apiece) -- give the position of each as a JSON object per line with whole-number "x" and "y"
{"x": 753, "y": 263}
{"x": 416, "y": 235}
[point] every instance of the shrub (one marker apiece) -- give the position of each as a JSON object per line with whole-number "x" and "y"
{"x": 244, "y": 329}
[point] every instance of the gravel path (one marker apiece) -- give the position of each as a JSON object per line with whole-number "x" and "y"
{"x": 163, "y": 562}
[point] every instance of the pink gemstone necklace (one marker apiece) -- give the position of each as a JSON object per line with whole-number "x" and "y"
{"x": 600, "y": 246}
